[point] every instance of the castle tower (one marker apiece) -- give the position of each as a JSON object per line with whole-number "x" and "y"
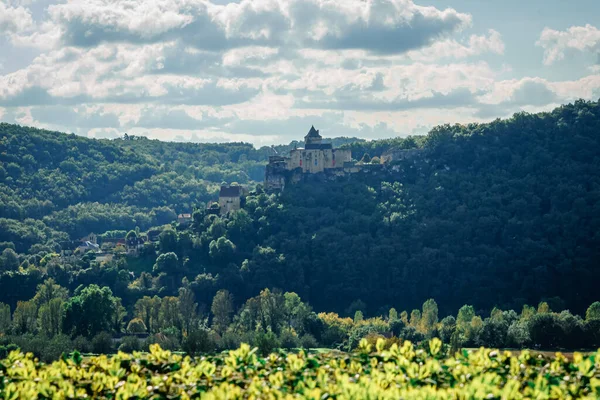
{"x": 312, "y": 137}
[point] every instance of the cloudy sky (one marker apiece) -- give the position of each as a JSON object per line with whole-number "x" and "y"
{"x": 263, "y": 71}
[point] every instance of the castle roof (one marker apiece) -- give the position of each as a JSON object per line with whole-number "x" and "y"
{"x": 318, "y": 146}
{"x": 313, "y": 133}
{"x": 230, "y": 191}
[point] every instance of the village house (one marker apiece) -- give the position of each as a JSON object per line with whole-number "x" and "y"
{"x": 133, "y": 245}
{"x": 230, "y": 198}
{"x": 92, "y": 238}
{"x": 184, "y": 219}
{"x": 86, "y": 246}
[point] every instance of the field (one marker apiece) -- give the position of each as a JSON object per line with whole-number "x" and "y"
{"x": 398, "y": 372}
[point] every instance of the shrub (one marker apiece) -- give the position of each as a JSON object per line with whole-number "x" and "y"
{"x": 102, "y": 343}
{"x": 494, "y": 333}
{"x": 518, "y": 335}
{"x": 31, "y": 344}
{"x": 396, "y": 326}
{"x": 308, "y": 342}
{"x": 198, "y": 341}
{"x": 130, "y": 344}
{"x": 447, "y": 327}
{"x": 266, "y": 342}
{"x": 11, "y": 347}
{"x": 411, "y": 333}
{"x": 136, "y": 325}
{"x": 56, "y": 347}
{"x": 546, "y": 330}
{"x": 229, "y": 340}
{"x": 592, "y": 333}
{"x": 167, "y": 342}
{"x": 82, "y": 344}
{"x": 289, "y": 339}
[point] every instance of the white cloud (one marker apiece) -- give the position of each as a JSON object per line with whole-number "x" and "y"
{"x": 261, "y": 70}
{"x": 556, "y": 43}
{"x": 450, "y": 48}
{"x": 382, "y": 26}
{"x": 14, "y": 19}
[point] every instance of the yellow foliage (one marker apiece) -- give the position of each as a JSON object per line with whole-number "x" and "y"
{"x": 371, "y": 372}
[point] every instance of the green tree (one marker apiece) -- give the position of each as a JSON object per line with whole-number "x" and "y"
{"x": 167, "y": 241}
{"x": 136, "y": 325}
{"x": 49, "y": 291}
{"x": 5, "y": 318}
{"x": 147, "y": 309}
{"x": 169, "y": 313}
{"x": 543, "y": 308}
{"x": 527, "y": 312}
{"x": 546, "y": 330}
{"x": 187, "y": 307}
{"x": 91, "y": 311}
{"x": 404, "y": 317}
{"x": 429, "y": 317}
{"x": 593, "y": 312}
{"x": 9, "y": 260}
{"x": 102, "y": 343}
{"x": 50, "y": 316}
{"x": 167, "y": 263}
{"x": 25, "y": 317}
{"x": 222, "y": 308}
{"x": 464, "y": 317}
{"x": 222, "y": 250}
{"x": 447, "y": 328}
{"x": 415, "y": 318}
{"x": 358, "y": 316}
{"x": 117, "y": 322}
{"x": 297, "y": 313}
{"x": 198, "y": 341}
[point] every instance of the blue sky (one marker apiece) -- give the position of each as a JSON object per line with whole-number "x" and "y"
{"x": 263, "y": 71}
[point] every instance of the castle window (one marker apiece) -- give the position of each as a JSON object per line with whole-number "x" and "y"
{"x": 315, "y": 161}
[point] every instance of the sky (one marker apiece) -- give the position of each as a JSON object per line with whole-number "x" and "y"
{"x": 264, "y": 71}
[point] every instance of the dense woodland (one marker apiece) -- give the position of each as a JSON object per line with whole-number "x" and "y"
{"x": 495, "y": 215}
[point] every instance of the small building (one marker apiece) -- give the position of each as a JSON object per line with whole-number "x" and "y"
{"x": 230, "y": 198}
{"x": 184, "y": 219}
{"x": 87, "y": 246}
{"x": 133, "y": 245}
{"x": 92, "y": 238}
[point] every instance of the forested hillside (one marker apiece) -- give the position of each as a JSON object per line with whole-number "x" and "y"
{"x": 499, "y": 214}
{"x": 76, "y": 185}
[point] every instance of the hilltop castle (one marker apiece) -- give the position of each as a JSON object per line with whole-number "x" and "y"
{"x": 321, "y": 159}
{"x": 314, "y": 158}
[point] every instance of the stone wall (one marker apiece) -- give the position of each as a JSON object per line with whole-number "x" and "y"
{"x": 228, "y": 204}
